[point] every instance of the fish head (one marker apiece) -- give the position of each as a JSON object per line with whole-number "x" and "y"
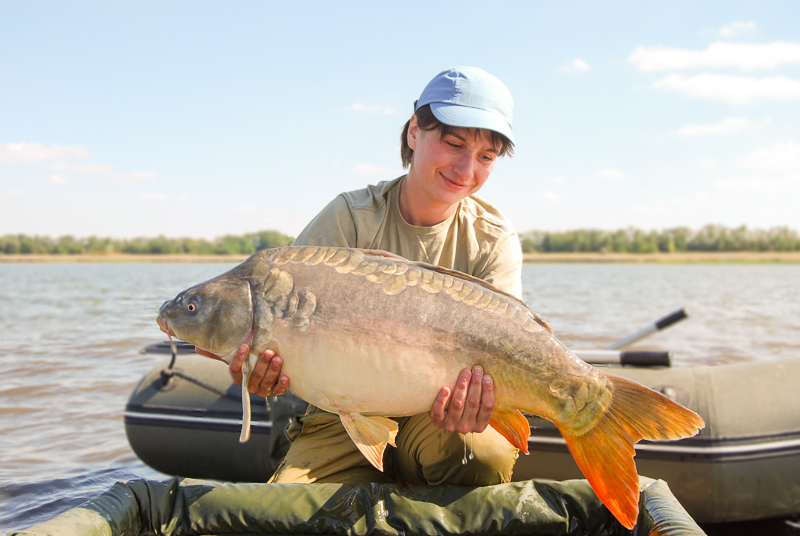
{"x": 215, "y": 316}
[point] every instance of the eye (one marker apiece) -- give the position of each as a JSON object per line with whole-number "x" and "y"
{"x": 191, "y": 307}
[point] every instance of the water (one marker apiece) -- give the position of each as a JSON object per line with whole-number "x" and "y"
{"x": 737, "y": 312}
{"x": 70, "y": 336}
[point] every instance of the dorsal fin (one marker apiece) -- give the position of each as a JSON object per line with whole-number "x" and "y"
{"x": 461, "y": 275}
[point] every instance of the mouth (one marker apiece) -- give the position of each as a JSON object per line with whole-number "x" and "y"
{"x": 162, "y": 323}
{"x": 453, "y": 184}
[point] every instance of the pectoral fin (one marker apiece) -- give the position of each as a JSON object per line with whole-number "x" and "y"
{"x": 370, "y": 434}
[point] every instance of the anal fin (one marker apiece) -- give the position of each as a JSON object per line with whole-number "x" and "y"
{"x": 370, "y": 434}
{"x": 512, "y": 425}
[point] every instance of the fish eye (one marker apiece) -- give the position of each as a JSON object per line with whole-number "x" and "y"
{"x": 191, "y": 307}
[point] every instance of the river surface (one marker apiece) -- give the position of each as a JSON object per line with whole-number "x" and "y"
{"x": 70, "y": 336}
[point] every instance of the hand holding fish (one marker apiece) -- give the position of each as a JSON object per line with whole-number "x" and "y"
{"x": 471, "y": 405}
{"x": 266, "y": 379}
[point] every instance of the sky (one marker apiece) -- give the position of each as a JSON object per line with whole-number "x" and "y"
{"x": 205, "y": 118}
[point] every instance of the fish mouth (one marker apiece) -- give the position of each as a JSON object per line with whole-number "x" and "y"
{"x": 162, "y": 323}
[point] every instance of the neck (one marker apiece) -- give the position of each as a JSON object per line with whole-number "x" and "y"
{"x": 419, "y": 210}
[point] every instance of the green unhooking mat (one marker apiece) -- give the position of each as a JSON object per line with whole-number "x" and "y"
{"x": 186, "y": 506}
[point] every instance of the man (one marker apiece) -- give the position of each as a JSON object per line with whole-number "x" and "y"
{"x": 461, "y": 125}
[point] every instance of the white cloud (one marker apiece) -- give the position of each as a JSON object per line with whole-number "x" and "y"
{"x": 744, "y": 56}
{"x": 82, "y": 168}
{"x": 781, "y": 157}
{"x": 730, "y": 125}
{"x": 731, "y": 89}
{"x": 706, "y": 162}
{"x": 557, "y": 179}
{"x": 246, "y": 209}
{"x": 612, "y": 174}
{"x": 737, "y": 28}
{"x": 575, "y": 66}
{"x": 162, "y": 198}
{"x": 377, "y": 171}
{"x": 15, "y": 153}
{"x": 10, "y": 195}
{"x": 57, "y": 179}
{"x": 106, "y": 171}
{"x": 134, "y": 176}
{"x": 371, "y": 108}
{"x": 548, "y": 197}
{"x": 758, "y": 187}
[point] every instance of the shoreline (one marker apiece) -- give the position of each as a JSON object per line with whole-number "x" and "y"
{"x": 121, "y": 258}
{"x": 685, "y": 257}
{"x": 773, "y": 257}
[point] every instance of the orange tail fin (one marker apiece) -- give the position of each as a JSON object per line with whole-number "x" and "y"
{"x": 605, "y": 452}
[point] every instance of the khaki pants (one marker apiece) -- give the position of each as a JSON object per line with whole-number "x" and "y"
{"x": 321, "y": 451}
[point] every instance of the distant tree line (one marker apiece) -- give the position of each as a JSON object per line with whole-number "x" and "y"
{"x": 631, "y": 240}
{"x": 69, "y": 245}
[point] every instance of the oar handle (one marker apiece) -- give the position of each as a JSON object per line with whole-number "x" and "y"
{"x": 672, "y": 318}
{"x": 649, "y": 330}
{"x": 634, "y": 358}
{"x": 165, "y": 348}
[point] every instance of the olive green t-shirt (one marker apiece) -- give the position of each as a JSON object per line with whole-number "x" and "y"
{"x": 477, "y": 239}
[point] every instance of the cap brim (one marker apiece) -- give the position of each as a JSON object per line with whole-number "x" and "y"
{"x": 466, "y": 117}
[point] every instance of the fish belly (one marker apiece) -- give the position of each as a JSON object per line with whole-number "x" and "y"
{"x": 341, "y": 370}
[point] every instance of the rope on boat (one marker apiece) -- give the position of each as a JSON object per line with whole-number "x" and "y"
{"x": 170, "y": 372}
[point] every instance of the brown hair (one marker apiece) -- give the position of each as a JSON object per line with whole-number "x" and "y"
{"x": 427, "y": 121}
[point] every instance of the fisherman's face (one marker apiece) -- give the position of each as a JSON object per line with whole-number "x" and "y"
{"x": 450, "y": 168}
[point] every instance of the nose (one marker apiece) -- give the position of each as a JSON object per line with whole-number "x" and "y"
{"x": 465, "y": 165}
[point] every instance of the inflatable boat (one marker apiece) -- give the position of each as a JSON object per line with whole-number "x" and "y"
{"x": 184, "y": 418}
{"x": 182, "y": 507}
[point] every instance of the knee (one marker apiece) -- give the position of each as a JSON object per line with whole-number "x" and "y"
{"x": 481, "y": 460}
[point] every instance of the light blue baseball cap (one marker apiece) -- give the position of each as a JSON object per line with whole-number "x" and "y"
{"x": 471, "y": 98}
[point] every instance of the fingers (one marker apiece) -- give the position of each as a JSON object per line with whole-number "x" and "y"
{"x": 439, "y": 407}
{"x": 266, "y": 379}
{"x": 470, "y": 406}
{"x": 455, "y": 407}
{"x": 486, "y": 405}
{"x": 235, "y": 367}
{"x": 472, "y": 402}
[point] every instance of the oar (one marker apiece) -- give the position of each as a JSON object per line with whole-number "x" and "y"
{"x": 637, "y": 358}
{"x": 664, "y": 323}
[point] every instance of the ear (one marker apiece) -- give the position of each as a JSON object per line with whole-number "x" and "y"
{"x": 413, "y": 133}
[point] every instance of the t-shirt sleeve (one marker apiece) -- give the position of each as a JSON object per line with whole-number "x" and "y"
{"x": 332, "y": 227}
{"x": 504, "y": 269}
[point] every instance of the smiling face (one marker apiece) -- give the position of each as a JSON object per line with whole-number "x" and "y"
{"x": 444, "y": 170}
